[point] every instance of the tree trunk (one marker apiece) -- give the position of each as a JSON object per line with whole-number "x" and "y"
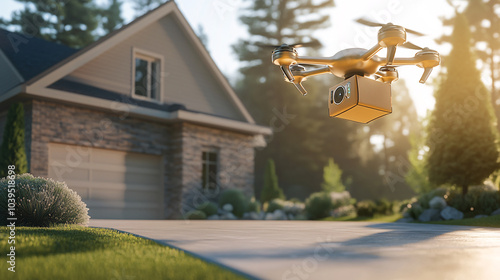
{"x": 465, "y": 189}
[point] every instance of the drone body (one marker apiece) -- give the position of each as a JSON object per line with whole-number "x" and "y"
{"x": 361, "y": 63}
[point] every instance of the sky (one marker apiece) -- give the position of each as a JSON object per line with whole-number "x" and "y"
{"x": 219, "y": 19}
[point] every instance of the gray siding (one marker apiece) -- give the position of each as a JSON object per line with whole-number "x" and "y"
{"x": 7, "y": 77}
{"x": 186, "y": 78}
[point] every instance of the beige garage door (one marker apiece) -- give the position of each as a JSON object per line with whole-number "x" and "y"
{"x": 114, "y": 184}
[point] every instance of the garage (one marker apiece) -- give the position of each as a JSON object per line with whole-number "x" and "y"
{"x": 113, "y": 184}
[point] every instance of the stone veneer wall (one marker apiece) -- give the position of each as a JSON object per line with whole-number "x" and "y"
{"x": 180, "y": 144}
{"x": 235, "y": 162}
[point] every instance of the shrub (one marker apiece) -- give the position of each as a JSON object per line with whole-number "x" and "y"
{"x": 318, "y": 205}
{"x": 209, "y": 208}
{"x": 195, "y": 215}
{"x": 332, "y": 178}
{"x": 253, "y": 205}
{"x": 275, "y": 204}
{"x": 476, "y": 202}
{"x": 12, "y": 150}
{"x": 340, "y": 199}
{"x": 271, "y": 189}
{"x": 424, "y": 199}
{"x": 366, "y": 208}
{"x": 236, "y": 198}
{"x": 42, "y": 202}
{"x": 383, "y": 207}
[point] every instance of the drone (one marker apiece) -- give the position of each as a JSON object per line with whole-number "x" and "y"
{"x": 358, "y": 97}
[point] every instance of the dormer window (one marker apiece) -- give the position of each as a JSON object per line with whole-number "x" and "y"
{"x": 147, "y": 82}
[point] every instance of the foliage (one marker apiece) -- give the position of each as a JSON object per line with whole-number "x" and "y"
{"x": 340, "y": 199}
{"x": 144, "y": 6}
{"x": 365, "y": 208}
{"x": 369, "y": 208}
{"x": 417, "y": 177}
{"x": 112, "y": 19}
{"x": 254, "y": 205}
{"x": 332, "y": 178}
{"x": 82, "y": 253}
{"x": 209, "y": 208}
{"x": 236, "y": 198}
{"x": 484, "y": 23}
{"x": 74, "y": 23}
{"x": 43, "y": 202}
{"x": 12, "y": 150}
{"x": 195, "y": 215}
{"x": 476, "y": 202}
{"x": 271, "y": 189}
{"x": 318, "y": 205}
{"x": 275, "y": 204}
{"x": 462, "y": 137}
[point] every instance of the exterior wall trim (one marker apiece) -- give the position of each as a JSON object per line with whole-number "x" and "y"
{"x": 117, "y": 107}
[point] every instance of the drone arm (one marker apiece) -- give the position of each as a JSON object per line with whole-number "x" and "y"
{"x": 371, "y": 52}
{"x": 406, "y": 61}
{"x": 315, "y": 60}
{"x": 300, "y": 76}
{"x": 319, "y": 71}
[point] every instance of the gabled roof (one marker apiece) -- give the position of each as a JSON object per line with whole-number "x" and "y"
{"x": 43, "y": 81}
{"x": 31, "y": 56}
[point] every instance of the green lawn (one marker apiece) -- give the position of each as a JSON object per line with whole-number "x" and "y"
{"x": 91, "y": 253}
{"x": 384, "y": 219}
{"x": 492, "y": 221}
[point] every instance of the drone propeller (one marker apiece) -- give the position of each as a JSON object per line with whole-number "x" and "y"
{"x": 376, "y": 24}
{"x": 297, "y": 45}
{"x": 410, "y": 45}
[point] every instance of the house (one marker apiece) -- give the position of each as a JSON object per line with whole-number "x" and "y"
{"x": 141, "y": 123}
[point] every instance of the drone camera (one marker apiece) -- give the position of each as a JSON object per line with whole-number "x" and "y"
{"x": 360, "y": 99}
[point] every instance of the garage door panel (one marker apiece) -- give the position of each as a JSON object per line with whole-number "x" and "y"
{"x": 114, "y": 184}
{"x": 127, "y": 195}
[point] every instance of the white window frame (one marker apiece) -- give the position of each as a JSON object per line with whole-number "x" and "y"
{"x": 148, "y": 56}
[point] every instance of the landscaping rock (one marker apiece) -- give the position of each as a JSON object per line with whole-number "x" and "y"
{"x": 405, "y": 220}
{"x": 213, "y": 217}
{"x": 269, "y": 216}
{"x": 450, "y": 213}
{"x": 430, "y": 215}
{"x": 279, "y": 214}
{"x": 480, "y": 216}
{"x": 291, "y": 217}
{"x": 228, "y": 216}
{"x": 227, "y": 207}
{"x": 496, "y": 212}
{"x": 437, "y": 202}
{"x": 255, "y": 216}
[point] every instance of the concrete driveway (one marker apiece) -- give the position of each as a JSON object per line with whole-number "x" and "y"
{"x": 299, "y": 250}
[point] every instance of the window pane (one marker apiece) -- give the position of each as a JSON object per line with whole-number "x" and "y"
{"x": 204, "y": 177}
{"x": 141, "y": 77}
{"x": 212, "y": 173}
{"x": 155, "y": 81}
{"x": 212, "y": 157}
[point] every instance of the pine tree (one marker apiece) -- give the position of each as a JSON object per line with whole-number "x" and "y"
{"x": 112, "y": 19}
{"x": 298, "y": 142}
{"x": 332, "y": 178}
{"x": 462, "y": 138}
{"x": 484, "y": 22}
{"x": 271, "y": 189}
{"x": 12, "y": 150}
{"x": 70, "y": 22}
{"x": 143, "y": 6}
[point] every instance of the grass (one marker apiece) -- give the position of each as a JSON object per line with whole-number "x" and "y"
{"x": 93, "y": 253}
{"x": 491, "y": 221}
{"x": 376, "y": 218}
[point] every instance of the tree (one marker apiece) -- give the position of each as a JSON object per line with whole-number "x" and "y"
{"x": 271, "y": 189}
{"x": 462, "y": 139}
{"x": 70, "y": 22}
{"x": 298, "y": 141}
{"x": 112, "y": 19}
{"x": 143, "y": 6}
{"x": 332, "y": 178}
{"x": 12, "y": 150}
{"x": 484, "y": 22}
